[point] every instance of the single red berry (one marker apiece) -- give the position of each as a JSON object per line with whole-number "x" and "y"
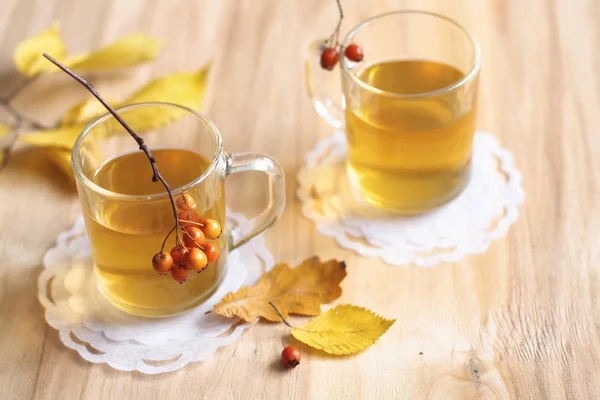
{"x": 211, "y": 229}
{"x": 195, "y": 260}
{"x": 177, "y": 254}
{"x": 291, "y": 357}
{"x": 185, "y": 202}
{"x": 354, "y": 53}
{"x": 162, "y": 262}
{"x": 212, "y": 251}
{"x": 329, "y": 58}
{"x": 180, "y": 273}
{"x": 193, "y": 237}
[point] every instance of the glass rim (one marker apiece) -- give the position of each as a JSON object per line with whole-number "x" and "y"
{"x": 81, "y": 177}
{"x": 476, "y": 65}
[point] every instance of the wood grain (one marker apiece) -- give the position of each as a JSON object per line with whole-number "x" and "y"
{"x": 518, "y": 322}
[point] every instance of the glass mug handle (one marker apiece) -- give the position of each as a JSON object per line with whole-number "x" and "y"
{"x": 326, "y": 107}
{"x": 243, "y": 162}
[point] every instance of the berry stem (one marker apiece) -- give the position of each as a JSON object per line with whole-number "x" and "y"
{"x": 280, "y": 315}
{"x": 142, "y": 146}
{"x": 162, "y": 248}
{"x": 191, "y": 222}
{"x": 336, "y": 33}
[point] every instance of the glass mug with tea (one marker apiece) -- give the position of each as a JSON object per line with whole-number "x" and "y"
{"x": 408, "y": 108}
{"x": 128, "y": 216}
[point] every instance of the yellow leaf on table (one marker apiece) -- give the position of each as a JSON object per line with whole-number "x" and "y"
{"x": 299, "y": 290}
{"x": 85, "y": 112}
{"x": 28, "y": 54}
{"x": 4, "y": 129}
{"x": 186, "y": 89}
{"x": 127, "y": 51}
{"x": 63, "y": 136}
{"x": 345, "y": 329}
{"x": 62, "y": 159}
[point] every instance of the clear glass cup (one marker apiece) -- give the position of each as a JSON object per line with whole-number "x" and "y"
{"x": 408, "y": 109}
{"x": 128, "y": 216}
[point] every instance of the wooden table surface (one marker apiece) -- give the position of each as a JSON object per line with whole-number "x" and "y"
{"x": 520, "y": 321}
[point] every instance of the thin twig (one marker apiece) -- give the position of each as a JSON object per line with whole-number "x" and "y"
{"x": 162, "y": 248}
{"x": 280, "y": 316}
{"x": 336, "y": 33}
{"x": 16, "y": 115}
{"x": 142, "y": 146}
{"x": 19, "y": 118}
{"x": 11, "y": 96}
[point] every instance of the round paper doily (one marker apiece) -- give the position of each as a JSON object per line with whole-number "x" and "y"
{"x": 481, "y": 213}
{"x": 100, "y": 333}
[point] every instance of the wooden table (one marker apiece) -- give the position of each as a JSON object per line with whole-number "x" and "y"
{"x": 519, "y": 322}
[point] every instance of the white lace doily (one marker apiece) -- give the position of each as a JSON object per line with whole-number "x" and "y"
{"x": 100, "y": 333}
{"x": 481, "y": 213}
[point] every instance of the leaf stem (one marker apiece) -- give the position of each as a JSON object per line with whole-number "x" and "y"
{"x": 142, "y": 146}
{"x": 280, "y": 315}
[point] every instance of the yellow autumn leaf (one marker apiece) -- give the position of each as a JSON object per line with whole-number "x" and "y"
{"x": 4, "y": 129}
{"x": 186, "y": 89}
{"x": 299, "y": 290}
{"x": 28, "y": 54}
{"x": 127, "y": 51}
{"x": 345, "y": 329}
{"x": 86, "y": 111}
{"x": 61, "y": 158}
{"x": 63, "y": 136}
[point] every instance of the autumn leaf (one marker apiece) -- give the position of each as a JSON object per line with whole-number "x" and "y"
{"x": 28, "y": 54}
{"x": 85, "y": 112}
{"x": 345, "y": 329}
{"x": 4, "y": 129}
{"x": 299, "y": 290}
{"x": 127, "y": 51}
{"x": 63, "y": 136}
{"x": 186, "y": 89}
{"x": 61, "y": 158}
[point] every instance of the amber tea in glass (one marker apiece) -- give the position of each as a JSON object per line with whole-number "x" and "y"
{"x": 408, "y": 110}
{"x": 127, "y": 215}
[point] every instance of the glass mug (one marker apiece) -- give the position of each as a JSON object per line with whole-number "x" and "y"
{"x": 408, "y": 109}
{"x": 127, "y": 216}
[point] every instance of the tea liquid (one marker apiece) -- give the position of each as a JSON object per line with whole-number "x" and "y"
{"x": 410, "y": 154}
{"x": 126, "y": 234}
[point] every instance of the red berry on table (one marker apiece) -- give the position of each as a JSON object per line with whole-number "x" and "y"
{"x": 180, "y": 273}
{"x": 329, "y": 58}
{"x": 177, "y": 254}
{"x": 291, "y": 356}
{"x": 212, "y": 251}
{"x": 211, "y": 229}
{"x": 162, "y": 262}
{"x": 195, "y": 260}
{"x": 354, "y": 53}
{"x": 185, "y": 202}
{"x": 193, "y": 236}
